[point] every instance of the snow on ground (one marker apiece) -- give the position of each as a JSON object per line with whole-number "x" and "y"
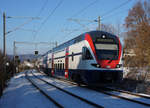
{"x": 99, "y": 98}
{"x": 67, "y": 101}
{"x": 21, "y": 94}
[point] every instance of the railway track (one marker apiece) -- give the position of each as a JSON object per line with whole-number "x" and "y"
{"x": 108, "y": 91}
{"x": 131, "y": 93}
{"x": 42, "y": 92}
{"x": 65, "y": 91}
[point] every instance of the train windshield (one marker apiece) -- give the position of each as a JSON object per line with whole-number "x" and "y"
{"x": 106, "y": 45}
{"x": 106, "y": 51}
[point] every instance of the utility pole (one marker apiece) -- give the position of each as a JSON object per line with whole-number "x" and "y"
{"x": 14, "y": 57}
{"x": 4, "y": 34}
{"x": 56, "y": 44}
{"x": 4, "y": 40}
{"x": 99, "y": 23}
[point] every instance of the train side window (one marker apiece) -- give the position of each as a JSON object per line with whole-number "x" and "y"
{"x": 72, "y": 56}
{"x": 57, "y": 66}
{"x": 86, "y": 55}
{"x": 60, "y": 65}
{"x": 83, "y": 53}
{"x": 63, "y": 66}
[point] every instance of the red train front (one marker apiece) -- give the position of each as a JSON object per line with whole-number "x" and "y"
{"x": 107, "y": 52}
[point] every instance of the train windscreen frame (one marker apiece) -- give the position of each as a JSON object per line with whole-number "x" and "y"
{"x": 106, "y": 45}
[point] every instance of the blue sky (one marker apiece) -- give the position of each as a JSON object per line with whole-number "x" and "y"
{"x": 54, "y": 29}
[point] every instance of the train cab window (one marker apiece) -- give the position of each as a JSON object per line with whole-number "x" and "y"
{"x": 86, "y": 55}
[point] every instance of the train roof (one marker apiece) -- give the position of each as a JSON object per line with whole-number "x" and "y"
{"x": 80, "y": 38}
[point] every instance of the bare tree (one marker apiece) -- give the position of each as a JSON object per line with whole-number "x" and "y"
{"x": 138, "y": 34}
{"x": 4, "y": 76}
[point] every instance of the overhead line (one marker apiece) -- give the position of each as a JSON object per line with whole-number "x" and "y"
{"x": 108, "y": 12}
{"x": 42, "y": 8}
{"x": 31, "y": 18}
{"x": 31, "y": 30}
{"x": 22, "y": 17}
{"x": 51, "y": 13}
{"x": 19, "y": 26}
{"x": 83, "y": 9}
{"x": 117, "y": 13}
{"x": 80, "y": 11}
{"x": 114, "y": 9}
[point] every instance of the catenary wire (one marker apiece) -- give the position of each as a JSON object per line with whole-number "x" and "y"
{"x": 83, "y": 9}
{"x": 116, "y": 8}
{"x": 50, "y": 14}
{"x": 80, "y": 11}
{"x": 106, "y": 13}
{"x": 42, "y": 8}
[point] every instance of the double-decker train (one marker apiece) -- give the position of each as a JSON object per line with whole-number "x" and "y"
{"x": 92, "y": 57}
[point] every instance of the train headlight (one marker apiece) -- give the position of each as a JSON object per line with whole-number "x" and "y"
{"x": 103, "y": 36}
{"x": 118, "y": 65}
{"x": 97, "y": 65}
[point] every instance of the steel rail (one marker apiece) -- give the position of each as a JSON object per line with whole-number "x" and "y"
{"x": 41, "y": 91}
{"x": 121, "y": 97}
{"x": 82, "y": 99}
{"x": 102, "y": 91}
{"x": 127, "y": 92}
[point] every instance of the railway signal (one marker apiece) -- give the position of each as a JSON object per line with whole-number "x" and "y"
{"x": 36, "y": 52}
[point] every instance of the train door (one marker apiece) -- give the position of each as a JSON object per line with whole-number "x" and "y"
{"x": 66, "y": 62}
{"x": 52, "y": 69}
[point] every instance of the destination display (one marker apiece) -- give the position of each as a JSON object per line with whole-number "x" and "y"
{"x": 104, "y": 40}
